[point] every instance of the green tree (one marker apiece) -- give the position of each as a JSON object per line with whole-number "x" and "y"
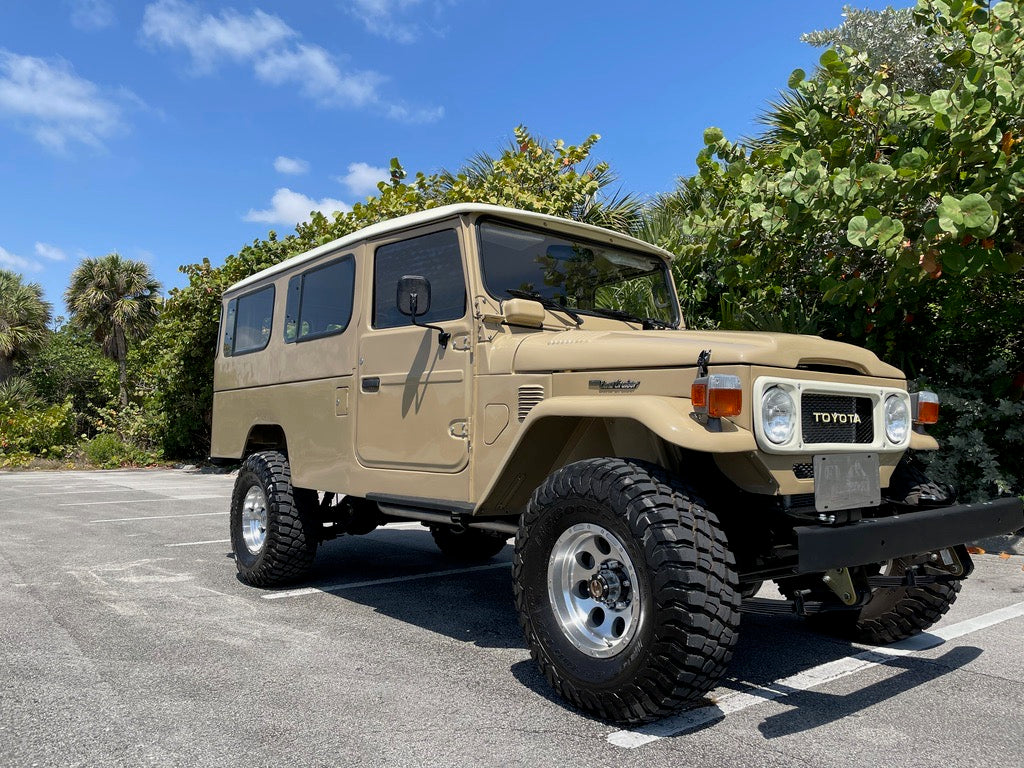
{"x": 71, "y": 364}
{"x": 881, "y": 215}
{"x": 24, "y": 317}
{"x": 547, "y": 177}
{"x": 117, "y": 300}
{"x": 894, "y": 41}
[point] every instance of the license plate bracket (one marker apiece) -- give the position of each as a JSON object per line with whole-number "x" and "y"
{"x": 846, "y": 481}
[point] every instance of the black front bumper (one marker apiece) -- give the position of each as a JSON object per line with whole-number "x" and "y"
{"x": 875, "y": 540}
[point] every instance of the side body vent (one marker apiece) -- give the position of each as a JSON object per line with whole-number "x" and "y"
{"x": 529, "y": 396}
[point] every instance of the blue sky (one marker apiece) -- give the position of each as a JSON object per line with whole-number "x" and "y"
{"x": 175, "y": 130}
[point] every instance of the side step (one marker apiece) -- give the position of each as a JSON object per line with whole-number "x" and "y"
{"x": 453, "y": 513}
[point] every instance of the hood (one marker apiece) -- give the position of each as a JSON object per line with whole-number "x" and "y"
{"x": 606, "y": 350}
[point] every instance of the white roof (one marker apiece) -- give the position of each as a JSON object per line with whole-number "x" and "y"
{"x": 444, "y": 212}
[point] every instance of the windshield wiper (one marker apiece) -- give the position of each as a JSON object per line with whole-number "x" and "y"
{"x": 544, "y": 301}
{"x": 648, "y": 323}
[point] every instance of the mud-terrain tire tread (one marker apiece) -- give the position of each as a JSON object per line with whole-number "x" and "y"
{"x": 909, "y": 484}
{"x": 469, "y": 545}
{"x": 692, "y": 577}
{"x": 290, "y": 546}
{"x": 892, "y": 613}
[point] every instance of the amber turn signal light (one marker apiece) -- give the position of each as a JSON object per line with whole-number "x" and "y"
{"x": 925, "y": 407}
{"x": 717, "y": 396}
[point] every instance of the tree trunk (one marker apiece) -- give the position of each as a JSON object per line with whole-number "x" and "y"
{"x": 121, "y": 350}
{"x": 6, "y": 368}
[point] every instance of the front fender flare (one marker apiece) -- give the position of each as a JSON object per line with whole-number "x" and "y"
{"x": 538, "y": 447}
{"x": 670, "y": 418}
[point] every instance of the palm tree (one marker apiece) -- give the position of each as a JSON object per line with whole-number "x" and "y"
{"x": 23, "y": 319}
{"x": 117, "y": 300}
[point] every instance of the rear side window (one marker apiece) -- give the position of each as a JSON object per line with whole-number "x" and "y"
{"x": 249, "y": 321}
{"x": 436, "y": 257}
{"x": 320, "y": 301}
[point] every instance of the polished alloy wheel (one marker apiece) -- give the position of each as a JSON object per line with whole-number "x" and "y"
{"x": 254, "y": 519}
{"x": 593, "y": 590}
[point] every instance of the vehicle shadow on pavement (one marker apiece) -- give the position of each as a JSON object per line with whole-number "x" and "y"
{"x": 812, "y": 709}
{"x": 474, "y": 607}
{"x": 756, "y": 659}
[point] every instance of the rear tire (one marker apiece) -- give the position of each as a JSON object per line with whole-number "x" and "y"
{"x": 626, "y": 589}
{"x": 468, "y": 545}
{"x": 272, "y": 526}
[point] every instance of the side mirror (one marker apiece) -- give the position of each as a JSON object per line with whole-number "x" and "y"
{"x": 413, "y": 299}
{"x": 413, "y": 296}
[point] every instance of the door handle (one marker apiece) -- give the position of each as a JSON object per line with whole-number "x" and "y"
{"x": 371, "y": 383}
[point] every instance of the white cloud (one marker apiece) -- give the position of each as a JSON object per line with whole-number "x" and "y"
{"x": 317, "y": 76}
{"x": 404, "y": 114}
{"x": 92, "y": 15}
{"x": 290, "y": 208}
{"x": 379, "y": 18}
{"x": 51, "y": 252}
{"x": 178, "y": 24}
{"x": 276, "y": 53}
{"x": 20, "y": 263}
{"x": 55, "y": 105}
{"x": 362, "y": 178}
{"x": 293, "y": 166}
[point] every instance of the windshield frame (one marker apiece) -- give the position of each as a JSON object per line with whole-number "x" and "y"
{"x": 673, "y": 308}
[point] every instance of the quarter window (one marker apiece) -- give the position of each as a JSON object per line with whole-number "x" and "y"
{"x": 320, "y": 301}
{"x": 436, "y": 257}
{"x": 249, "y": 322}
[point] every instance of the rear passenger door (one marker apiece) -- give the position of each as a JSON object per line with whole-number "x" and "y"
{"x": 413, "y": 395}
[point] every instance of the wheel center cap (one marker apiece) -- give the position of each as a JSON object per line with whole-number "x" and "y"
{"x": 610, "y": 585}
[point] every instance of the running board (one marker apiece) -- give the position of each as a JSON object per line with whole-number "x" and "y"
{"x": 437, "y": 512}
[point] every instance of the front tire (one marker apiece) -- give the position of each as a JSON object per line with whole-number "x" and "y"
{"x": 892, "y": 613}
{"x": 272, "y": 530}
{"x": 626, "y": 590}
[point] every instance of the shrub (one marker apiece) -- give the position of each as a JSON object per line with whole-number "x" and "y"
{"x": 981, "y": 431}
{"x": 107, "y": 451}
{"x": 28, "y": 432}
{"x": 17, "y": 393}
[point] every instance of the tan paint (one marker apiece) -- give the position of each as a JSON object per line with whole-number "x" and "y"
{"x": 496, "y": 418}
{"x": 445, "y": 422}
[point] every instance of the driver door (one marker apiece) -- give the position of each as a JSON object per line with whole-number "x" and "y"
{"x": 413, "y": 394}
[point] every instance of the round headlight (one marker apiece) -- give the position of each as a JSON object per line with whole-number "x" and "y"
{"x": 897, "y": 419}
{"x": 778, "y": 415}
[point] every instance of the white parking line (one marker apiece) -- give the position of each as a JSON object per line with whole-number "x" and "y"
{"x": 194, "y": 543}
{"x": 810, "y": 678}
{"x": 139, "y": 501}
{"x": 156, "y": 517}
{"x": 375, "y": 582}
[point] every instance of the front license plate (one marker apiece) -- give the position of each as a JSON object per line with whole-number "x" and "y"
{"x": 846, "y": 481}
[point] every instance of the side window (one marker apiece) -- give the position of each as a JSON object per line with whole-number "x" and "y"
{"x": 249, "y": 321}
{"x": 291, "y": 312}
{"x": 320, "y": 301}
{"x": 229, "y": 326}
{"x": 436, "y": 257}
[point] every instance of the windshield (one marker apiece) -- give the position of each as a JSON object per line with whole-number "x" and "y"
{"x": 577, "y": 274}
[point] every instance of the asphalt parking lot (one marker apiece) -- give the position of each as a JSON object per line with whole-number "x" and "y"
{"x": 126, "y": 639}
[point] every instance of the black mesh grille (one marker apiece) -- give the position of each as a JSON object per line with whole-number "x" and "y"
{"x": 836, "y": 419}
{"x": 804, "y": 471}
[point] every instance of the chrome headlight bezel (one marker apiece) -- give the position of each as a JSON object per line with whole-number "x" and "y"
{"x": 896, "y": 419}
{"x": 775, "y": 402}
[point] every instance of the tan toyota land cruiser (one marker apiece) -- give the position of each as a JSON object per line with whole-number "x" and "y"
{"x": 492, "y": 372}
